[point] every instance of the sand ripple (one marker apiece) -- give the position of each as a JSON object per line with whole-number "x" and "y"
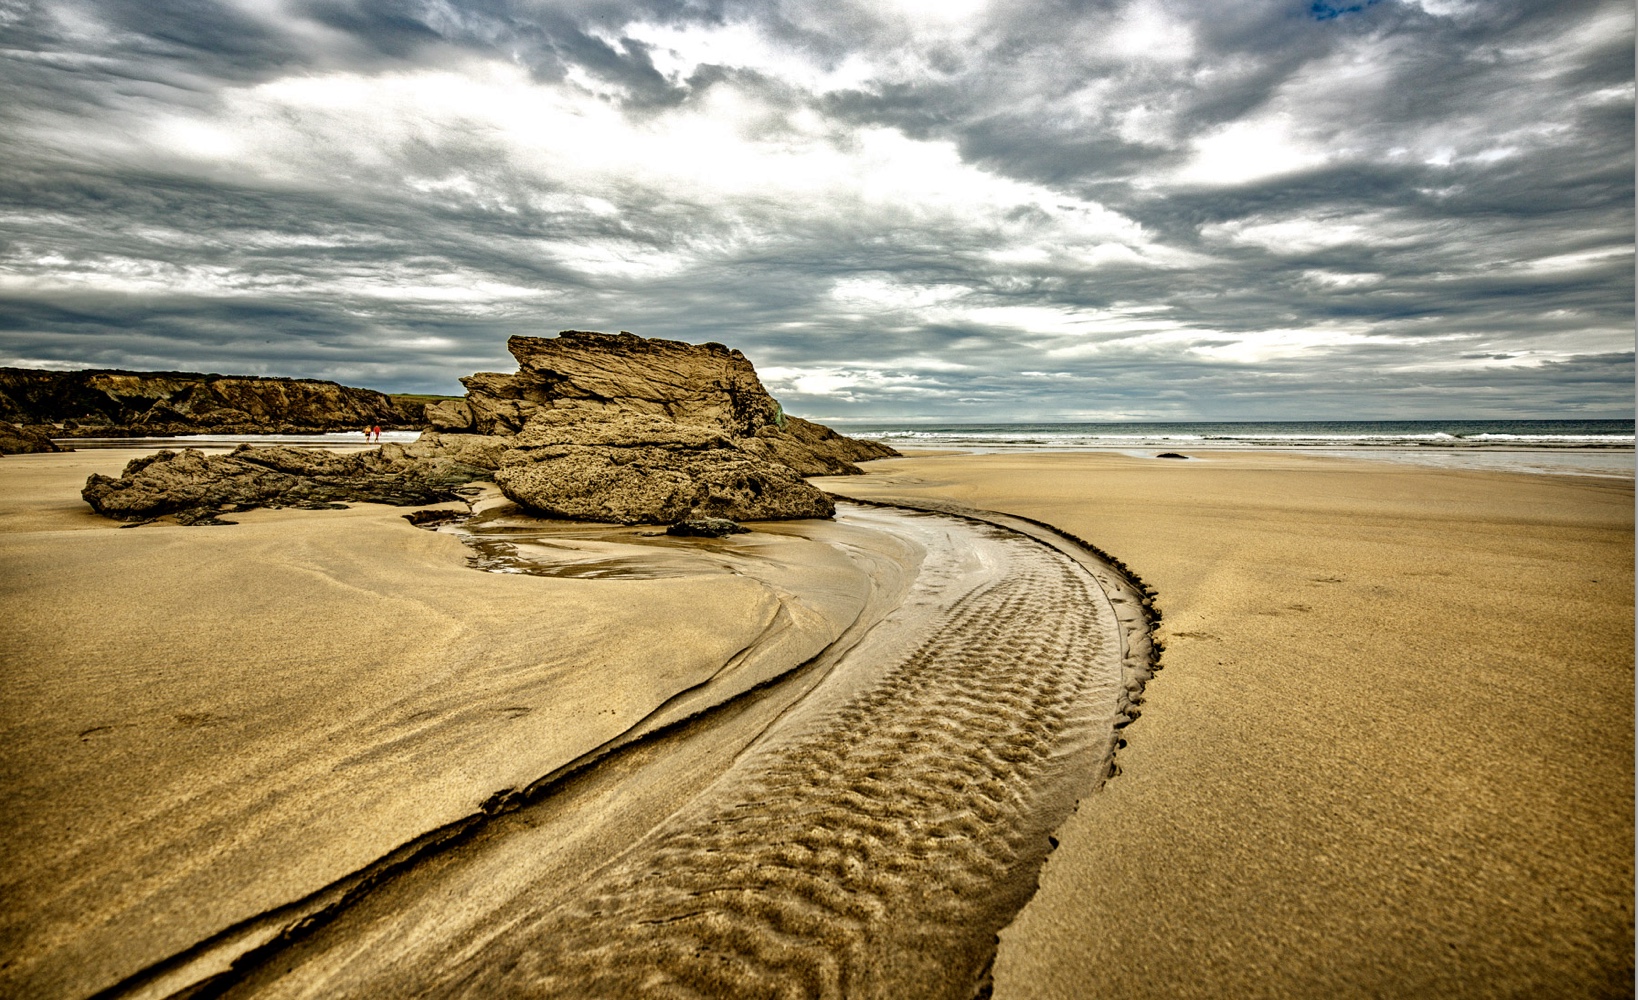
{"x": 874, "y": 853}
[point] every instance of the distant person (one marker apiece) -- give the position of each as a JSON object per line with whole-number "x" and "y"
{"x": 366, "y": 434}
{"x": 377, "y": 431}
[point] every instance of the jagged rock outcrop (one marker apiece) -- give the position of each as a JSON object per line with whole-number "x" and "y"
{"x": 632, "y": 430}
{"x": 448, "y": 415}
{"x": 814, "y": 449}
{"x": 195, "y": 487}
{"x": 18, "y": 440}
{"x": 703, "y": 384}
{"x": 122, "y": 403}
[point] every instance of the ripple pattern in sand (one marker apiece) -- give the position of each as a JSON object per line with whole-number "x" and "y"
{"x": 875, "y": 850}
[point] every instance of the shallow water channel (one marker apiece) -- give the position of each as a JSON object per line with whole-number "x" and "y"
{"x": 856, "y": 823}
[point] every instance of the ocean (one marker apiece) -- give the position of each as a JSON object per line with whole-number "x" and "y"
{"x": 1577, "y": 447}
{"x": 1587, "y": 447}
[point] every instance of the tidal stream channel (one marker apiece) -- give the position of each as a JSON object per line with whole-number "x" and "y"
{"x": 857, "y": 823}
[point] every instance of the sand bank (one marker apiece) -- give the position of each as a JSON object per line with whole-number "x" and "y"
{"x": 1391, "y": 749}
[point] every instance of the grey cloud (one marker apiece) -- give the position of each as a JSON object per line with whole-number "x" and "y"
{"x": 1131, "y": 390}
{"x": 184, "y": 267}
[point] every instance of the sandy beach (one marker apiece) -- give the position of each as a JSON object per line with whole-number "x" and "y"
{"x": 1390, "y": 751}
{"x": 959, "y": 500}
{"x": 201, "y": 727}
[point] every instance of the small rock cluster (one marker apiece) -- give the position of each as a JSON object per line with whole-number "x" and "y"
{"x": 706, "y": 527}
{"x": 196, "y": 488}
{"x": 16, "y": 439}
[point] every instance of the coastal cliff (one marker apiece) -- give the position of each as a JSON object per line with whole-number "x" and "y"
{"x": 111, "y": 403}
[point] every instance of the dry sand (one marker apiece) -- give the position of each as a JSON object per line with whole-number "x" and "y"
{"x": 1391, "y": 749}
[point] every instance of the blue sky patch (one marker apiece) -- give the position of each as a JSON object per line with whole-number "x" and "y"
{"x": 1320, "y": 10}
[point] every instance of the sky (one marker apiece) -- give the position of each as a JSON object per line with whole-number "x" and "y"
{"x": 911, "y": 210}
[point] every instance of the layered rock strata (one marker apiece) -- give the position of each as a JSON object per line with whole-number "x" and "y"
{"x": 124, "y": 404}
{"x": 588, "y": 465}
{"x": 814, "y": 449}
{"x": 630, "y": 430}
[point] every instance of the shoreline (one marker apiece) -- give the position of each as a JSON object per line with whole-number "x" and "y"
{"x": 1611, "y": 462}
{"x": 1600, "y": 463}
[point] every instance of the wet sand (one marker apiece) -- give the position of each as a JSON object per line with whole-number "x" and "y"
{"x": 1390, "y": 751}
{"x": 202, "y": 725}
{"x": 863, "y": 831}
{"x": 319, "y": 754}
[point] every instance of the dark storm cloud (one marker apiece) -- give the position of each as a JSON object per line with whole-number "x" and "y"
{"x": 1143, "y": 208}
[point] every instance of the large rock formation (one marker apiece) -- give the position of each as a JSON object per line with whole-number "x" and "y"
{"x": 592, "y": 427}
{"x": 123, "y": 404}
{"x": 620, "y": 428}
{"x": 702, "y": 385}
{"x": 196, "y": 488}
